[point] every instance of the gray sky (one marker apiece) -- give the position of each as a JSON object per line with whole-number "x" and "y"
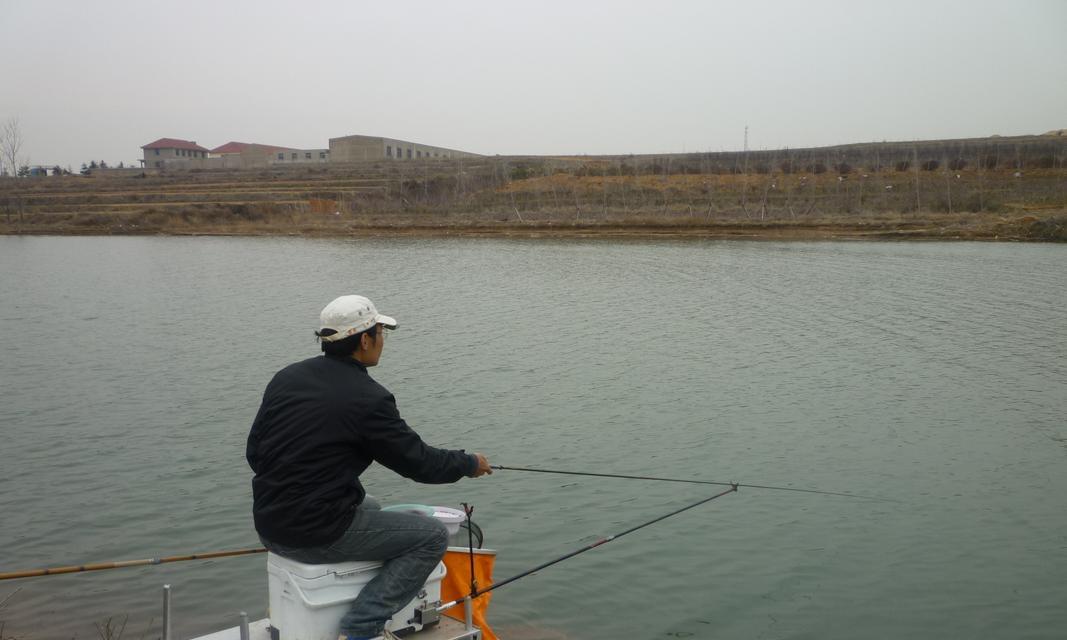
{"x": 97, "y": 79}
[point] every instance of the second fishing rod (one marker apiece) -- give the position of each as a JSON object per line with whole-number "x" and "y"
{"x": 475, "y": 591}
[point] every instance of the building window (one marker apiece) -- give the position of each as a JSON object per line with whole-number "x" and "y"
{"x": 157, "y": 152}
{"x": 388, "y": 151}
{"x": 307, "y": 156}
{"x": 322, "y": 155}
{"x": 281, "y": 156}
{"x": 294, "y": 156}
{"x": 409, "y": 154}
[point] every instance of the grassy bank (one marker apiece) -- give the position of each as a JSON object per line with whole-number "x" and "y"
{"x": 579, "y": 197}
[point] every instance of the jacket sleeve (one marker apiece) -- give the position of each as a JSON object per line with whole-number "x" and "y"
{"x": 391, "y": 442}
{"x": 254, "y": 434}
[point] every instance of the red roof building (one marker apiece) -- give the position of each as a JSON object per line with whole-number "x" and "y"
{"x": 171, "y": 151}
{"x": 231, "y": 147}
{"x": 239, "y": 147}
{"x": 174, "y": 143}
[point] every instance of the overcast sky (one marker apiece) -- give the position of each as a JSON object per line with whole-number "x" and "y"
{"x": 96, "y": 79}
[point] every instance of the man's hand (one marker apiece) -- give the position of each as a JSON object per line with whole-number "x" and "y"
{"x": 483, "y": 466}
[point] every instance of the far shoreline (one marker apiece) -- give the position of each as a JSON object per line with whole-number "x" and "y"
{"x": 1004, "y": 230}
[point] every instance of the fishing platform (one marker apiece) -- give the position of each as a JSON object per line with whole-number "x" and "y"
{"x": 308, "y": 601}
{"x": 445, "y": 629}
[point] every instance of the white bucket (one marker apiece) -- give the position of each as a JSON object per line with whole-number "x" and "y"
{"x": 307, "y": 601}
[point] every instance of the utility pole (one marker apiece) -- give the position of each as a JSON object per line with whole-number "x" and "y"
{"x": 744, "y": 176}
{"x": 746, "y": 151}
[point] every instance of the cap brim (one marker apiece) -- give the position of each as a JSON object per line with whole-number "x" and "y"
{"x": 389, "y": 323}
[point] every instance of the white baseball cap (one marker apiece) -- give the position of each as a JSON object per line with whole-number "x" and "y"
{"x": 349, "y": 315}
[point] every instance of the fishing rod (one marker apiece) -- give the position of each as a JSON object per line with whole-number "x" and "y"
{"x": 478, "y": 592}
{"x": 126, "y": 563}
{"x": 723, "y": 484}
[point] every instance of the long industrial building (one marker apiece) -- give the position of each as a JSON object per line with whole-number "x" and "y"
{"x": 364, "y": 148}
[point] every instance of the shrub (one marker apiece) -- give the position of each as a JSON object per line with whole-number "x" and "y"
{"x": 957, "y": 164}
{"x": 92, "y": 220}
{"x": 1054, "y": 228}
{"x": 1044, "y": 162}
{"x": 245, "y": 212}
{"x": 930, "y": 165}
{"x": 903, "y": 165}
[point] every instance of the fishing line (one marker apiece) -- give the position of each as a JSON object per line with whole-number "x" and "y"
{"x": 478, "y": 592}
{"x": 658, "y": 479}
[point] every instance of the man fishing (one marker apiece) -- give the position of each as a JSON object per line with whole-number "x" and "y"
{"x": 320, "y": 425}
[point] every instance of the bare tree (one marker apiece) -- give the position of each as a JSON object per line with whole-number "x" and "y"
{"x": 11, "y": 142}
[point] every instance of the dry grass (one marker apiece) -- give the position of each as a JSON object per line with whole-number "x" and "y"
{"x": 3, "y": 623}
{"x": 110, "y": 629}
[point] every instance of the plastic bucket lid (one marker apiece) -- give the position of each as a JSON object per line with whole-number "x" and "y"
{"x": 417, "y": 509}
{"x": 449, "y": 515}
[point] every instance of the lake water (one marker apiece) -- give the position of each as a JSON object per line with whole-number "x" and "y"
{"x": 934, "y": 374}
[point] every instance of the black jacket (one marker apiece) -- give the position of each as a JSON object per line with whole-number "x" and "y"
{"x": 321, "y": 424}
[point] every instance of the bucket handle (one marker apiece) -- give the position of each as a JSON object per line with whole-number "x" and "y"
{"x": 308, "y": 603}
{"x": 349, "y": 572}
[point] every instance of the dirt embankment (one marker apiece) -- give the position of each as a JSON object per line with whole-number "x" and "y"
{"x": 617, "y": 197}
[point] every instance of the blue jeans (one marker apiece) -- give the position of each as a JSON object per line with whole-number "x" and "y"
{"x": 409, "y": 545}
